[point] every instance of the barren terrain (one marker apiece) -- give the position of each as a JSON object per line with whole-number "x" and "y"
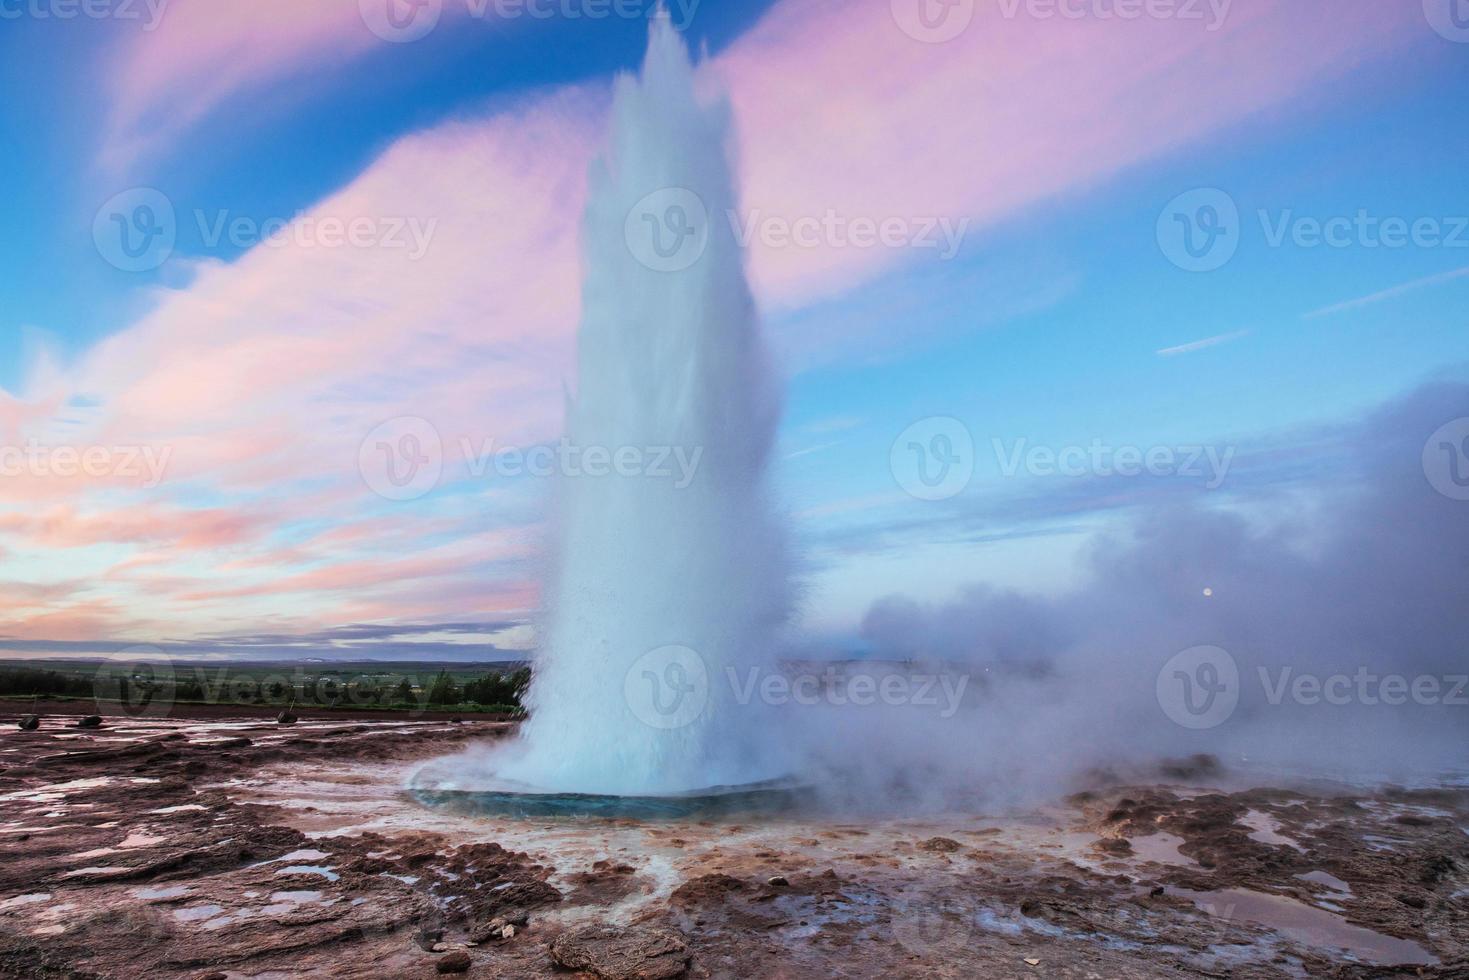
{"x": 235, "y": 848}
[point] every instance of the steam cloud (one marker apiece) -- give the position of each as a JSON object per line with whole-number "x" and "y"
{"x": 1359, "y": 568}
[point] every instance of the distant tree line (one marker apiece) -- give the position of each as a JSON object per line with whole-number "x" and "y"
{"x": 496, "y": 691}
{"x": 28, "y": 682}
{"x": 492, "y": 690}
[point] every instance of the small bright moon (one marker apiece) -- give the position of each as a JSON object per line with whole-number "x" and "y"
{"x": 1208, "y": 592}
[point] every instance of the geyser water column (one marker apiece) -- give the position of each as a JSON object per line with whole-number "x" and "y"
{"x": 669, "y": 585}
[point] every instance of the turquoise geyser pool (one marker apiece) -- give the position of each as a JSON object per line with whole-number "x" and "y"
{"x": 769, "y": 797}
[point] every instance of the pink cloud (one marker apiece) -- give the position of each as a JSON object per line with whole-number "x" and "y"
{"x": 199, "y": 53}
{"x": 66, "y": 527}
{"x": 839, "y": 109}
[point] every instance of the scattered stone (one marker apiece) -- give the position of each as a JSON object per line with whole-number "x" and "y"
{"x": 238, "y": 742}
{"x": 939, "y": 845}
{"x": 456, "y": 962}
{"x": 706, "y": 889}
{"x": 286, "y": 718}
{"x": 622, "y": 954}
{"x": 1114, "y": 845}
{"x": 501, "y": 927}
{"x": 777, "y": 881}
{"x": 90, "y": 721}
{"x": 29, "y": 723}
{"x": 612, "y": 867}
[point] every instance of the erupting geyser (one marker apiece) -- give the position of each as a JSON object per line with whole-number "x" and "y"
{"x": 667, "y": 592}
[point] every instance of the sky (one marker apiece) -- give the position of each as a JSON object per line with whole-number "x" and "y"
{"x": 1133, "y": 255}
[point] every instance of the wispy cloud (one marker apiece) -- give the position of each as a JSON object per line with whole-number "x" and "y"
{"x": 1205, "y": 344}
{"x": 201, "y": 53}
{"x": 1392, "y": 293}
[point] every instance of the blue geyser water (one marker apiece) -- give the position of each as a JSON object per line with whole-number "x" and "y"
{"x": 670, "y": 364}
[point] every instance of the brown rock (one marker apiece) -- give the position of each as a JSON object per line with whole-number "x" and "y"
{"x": 939, "y": 845}
{"x": 622, "y": 954}
{"x": 456, "y": 962}
{"x": 706, "y": 890}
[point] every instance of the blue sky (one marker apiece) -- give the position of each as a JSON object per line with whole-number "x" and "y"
{"x": 1061, "y": 321}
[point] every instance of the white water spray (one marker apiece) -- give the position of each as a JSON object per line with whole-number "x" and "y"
{"x": 668, "y": 590}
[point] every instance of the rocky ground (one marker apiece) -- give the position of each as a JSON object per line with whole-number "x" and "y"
{"x": 241, "y": 848}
